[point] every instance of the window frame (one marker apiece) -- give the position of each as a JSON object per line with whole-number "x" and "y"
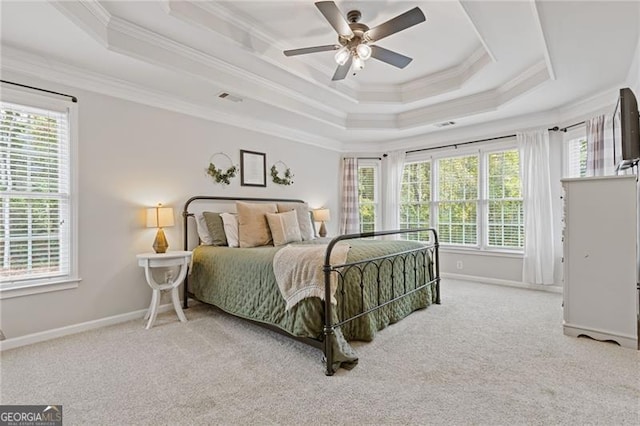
{"x": 485, "y": 199}
{"x": 375, "y": 164}
{"x": 27, "y": 286}
{"x": 435, "y": 173}
{"x": 483, "y": 202}
{"x": 430, "y": 203}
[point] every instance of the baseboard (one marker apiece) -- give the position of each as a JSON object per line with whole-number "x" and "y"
{"x": 507, "y": 283}
{"x": 42, "y": 336}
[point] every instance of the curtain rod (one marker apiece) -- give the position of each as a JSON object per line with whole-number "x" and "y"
{"x": 456, "y": 145}
{"x": 73, "y": 98}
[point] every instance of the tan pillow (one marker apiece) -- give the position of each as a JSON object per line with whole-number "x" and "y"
{"x": 304, "y": 218}
{"x": 253, "y": 228}
{"x": 284, "y": 227}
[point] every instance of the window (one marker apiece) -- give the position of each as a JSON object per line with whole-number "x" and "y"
{"x": 458, "y": 200}
{"x": 472, "y": 200}
{"x": 505, "y": 224}
{"x": 575, "y": 157}
{"x": 415, "y": 198}
{"x": 368, "y": 195}
{"x": 35, "y": 193}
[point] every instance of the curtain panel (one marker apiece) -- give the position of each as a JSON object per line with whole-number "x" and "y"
{"x": 392, "y": 169}
{"x": 538, "y": 267}
{"x": 350, "y": 214}
{"x": 600, "y": 149}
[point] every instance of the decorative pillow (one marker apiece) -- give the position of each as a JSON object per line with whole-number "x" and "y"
{"x": 303, "y": 216}
{"x": 203, "y": 232}
{"x": 230, "y": 222}
{"x": 252, "y": 223}
{"x": 284, "y": 227}
{"x": 216, "y": 228}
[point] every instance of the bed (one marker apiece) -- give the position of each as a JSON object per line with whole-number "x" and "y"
{"x": 368, "y": 281}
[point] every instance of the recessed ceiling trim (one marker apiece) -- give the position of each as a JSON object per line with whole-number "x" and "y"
{"x": 130, "y": 39}
{"x": 219, "y": 19}
{"x": 543, "y": 39}
{"x": 478, "y": 103}
{"x": 438, "y": 83}
{"x": 37, "y": 66}
{"x": 152, "y": 47}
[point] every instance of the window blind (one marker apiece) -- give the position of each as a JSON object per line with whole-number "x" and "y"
{"x": 415, "y": 198}
{"x": 576, "y": 161}
{"x": 35, "y": 193}
{"x": 367, "y": 190}
{"x": 458, "y": 200}
{"x": 505, "y": 213}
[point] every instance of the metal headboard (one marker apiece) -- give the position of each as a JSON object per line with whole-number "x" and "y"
{"x": 186, "y": 214}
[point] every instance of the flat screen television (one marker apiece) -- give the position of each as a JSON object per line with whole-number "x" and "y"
{"x": 627, "y": 133}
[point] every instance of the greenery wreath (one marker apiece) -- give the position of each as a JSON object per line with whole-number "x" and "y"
{"x": 217, "y": 174}
{"x": 286, "y": 180}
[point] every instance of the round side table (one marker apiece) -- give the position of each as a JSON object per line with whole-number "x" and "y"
{"x": 149, "y": 261}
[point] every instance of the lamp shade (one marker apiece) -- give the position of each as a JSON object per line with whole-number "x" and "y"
{"x": 159, "y": 217}
{"x": 321, "y": 215}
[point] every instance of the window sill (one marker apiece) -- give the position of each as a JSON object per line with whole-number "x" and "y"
{"x": 481, "y": 252}
{"x": 28, "y": 289}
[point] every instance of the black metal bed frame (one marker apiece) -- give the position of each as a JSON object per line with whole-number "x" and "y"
{"x": 419, "y": 260}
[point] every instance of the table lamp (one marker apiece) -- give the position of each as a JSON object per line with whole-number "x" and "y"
{"x": 160, "y": 217}
{"x": 322, "y": 216}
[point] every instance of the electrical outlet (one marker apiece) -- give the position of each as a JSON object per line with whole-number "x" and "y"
{"x": 459, "y": 264}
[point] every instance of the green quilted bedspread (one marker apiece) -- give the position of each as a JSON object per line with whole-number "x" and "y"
{"x": 241, "y": 281}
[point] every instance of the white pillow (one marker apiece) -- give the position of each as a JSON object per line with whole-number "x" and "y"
{"x": 230, "y": 223}
{"x": 304, "y": 218}
{"x": 284, "y": 227}
{"x": 203, "y": 231}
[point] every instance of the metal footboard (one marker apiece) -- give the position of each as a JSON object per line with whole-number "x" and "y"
{"x": 420, "y": 263}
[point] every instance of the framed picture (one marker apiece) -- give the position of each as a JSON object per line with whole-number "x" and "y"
{"x": 253, "y": 168}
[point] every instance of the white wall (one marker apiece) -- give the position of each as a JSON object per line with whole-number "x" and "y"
{"x": 133, "y": 156}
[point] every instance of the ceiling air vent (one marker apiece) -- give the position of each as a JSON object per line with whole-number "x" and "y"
{"x": 445, "y": 124}
{"x": 229, "y": 97}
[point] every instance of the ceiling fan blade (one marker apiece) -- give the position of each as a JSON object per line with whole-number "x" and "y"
{"x": 342, "y": 70}
{"x": 314, "y": 49}
{"x": 399, "y": 23}
{"x": 335, "y": 18}
{"x": 390, "y": 57}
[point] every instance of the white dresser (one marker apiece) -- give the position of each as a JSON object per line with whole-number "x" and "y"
{"x": 600, "y": 261}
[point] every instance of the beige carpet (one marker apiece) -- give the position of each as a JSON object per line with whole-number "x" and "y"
{"x": 487, "y": 355}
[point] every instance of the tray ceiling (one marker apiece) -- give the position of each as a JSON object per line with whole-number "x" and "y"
{"x": 473, "y": 61}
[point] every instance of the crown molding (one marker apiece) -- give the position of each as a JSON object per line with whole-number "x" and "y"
{"x": 245, "y": 33}
{"x": 565, "y": 115}
{"x": 48, "y": 69}
{"x": 239, "y": 28}
{"x": 543, "y": 39}
{"x": 478, "y": 103}
{"x": 438, "y": 83}
{"x": 127, "y": 38}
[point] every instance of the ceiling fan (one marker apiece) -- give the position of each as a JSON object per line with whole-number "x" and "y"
{"x": 355, "y": 39}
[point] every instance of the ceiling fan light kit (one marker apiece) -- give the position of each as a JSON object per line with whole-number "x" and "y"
{"x": 342, "y": 55}
{"x": 354, "y": 38}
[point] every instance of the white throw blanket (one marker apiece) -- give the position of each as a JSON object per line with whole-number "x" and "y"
{"x": 298, "y": 271}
